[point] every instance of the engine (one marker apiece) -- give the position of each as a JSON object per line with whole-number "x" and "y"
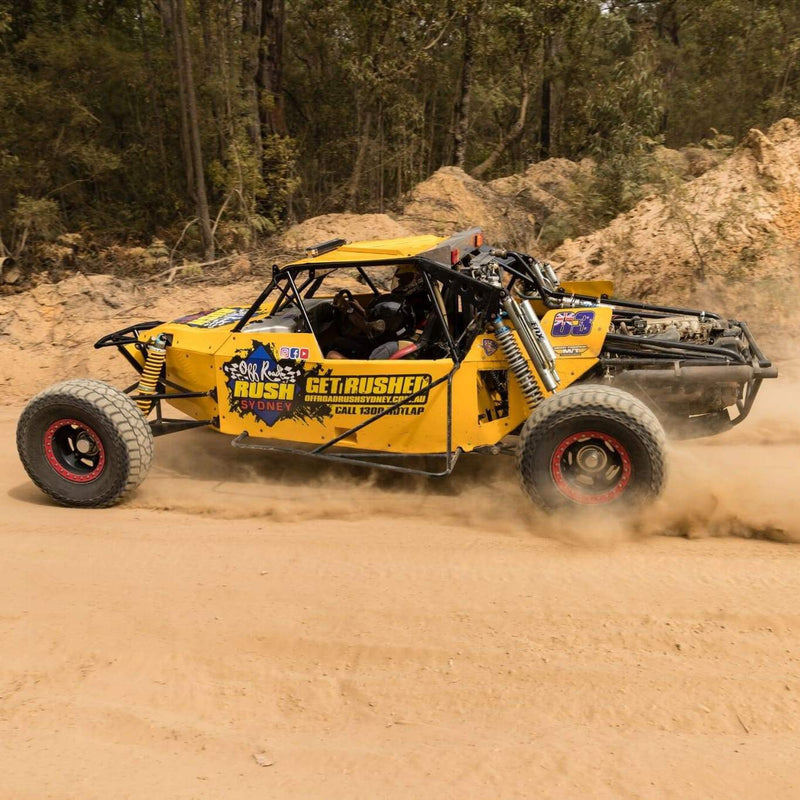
{"x": 682, "y": 328}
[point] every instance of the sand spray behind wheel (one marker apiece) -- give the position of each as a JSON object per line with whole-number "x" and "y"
{"x": 742, "y": 483}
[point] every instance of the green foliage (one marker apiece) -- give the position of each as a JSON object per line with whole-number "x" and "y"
{"x": 91, "y": 138}
{"x": 623, "y": 120}
{"x": 39, "y": 217}
{"x": 280, "y": 181}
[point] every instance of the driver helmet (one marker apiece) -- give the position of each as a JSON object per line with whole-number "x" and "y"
{"x": 407, "y": 280}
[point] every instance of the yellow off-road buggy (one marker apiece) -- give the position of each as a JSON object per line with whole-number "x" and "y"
{"x": 440, "y": 347}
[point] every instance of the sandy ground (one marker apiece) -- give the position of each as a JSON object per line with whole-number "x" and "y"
{"x": 252, "y": 628}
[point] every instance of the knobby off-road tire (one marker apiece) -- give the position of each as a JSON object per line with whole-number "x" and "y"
{"x": 84, "y": 443}
{"x": 592, "y": 446}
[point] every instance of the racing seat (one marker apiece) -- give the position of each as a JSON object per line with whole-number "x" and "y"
{"x": 429, "y": 331}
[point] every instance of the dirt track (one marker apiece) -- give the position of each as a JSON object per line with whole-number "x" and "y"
{"x": 402, "y": 639}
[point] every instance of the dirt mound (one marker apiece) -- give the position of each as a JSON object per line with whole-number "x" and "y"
{"x": 450, "y": 200}
{"x": 691, "y": 161}
{"x": 736, "y": 225}
{"x": 700, "y": 160}
{"x": 352, "y": 227}
{"x": 508, "y": 209}
{"x": 545, "y": 188}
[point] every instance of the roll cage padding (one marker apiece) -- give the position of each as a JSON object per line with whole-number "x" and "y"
{"x": 404, "y": 351}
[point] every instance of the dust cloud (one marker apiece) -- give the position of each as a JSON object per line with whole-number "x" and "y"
{"x": 741, "y": 483}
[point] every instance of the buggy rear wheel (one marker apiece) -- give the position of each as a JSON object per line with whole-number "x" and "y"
{"x": 84, "y": 443}
{"x": 592, "y": 446}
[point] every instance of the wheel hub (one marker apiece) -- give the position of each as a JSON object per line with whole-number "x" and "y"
{"x": 591, "y": 458}
{"x": 74, "y": 450}
{"x": 591, "y": 467}
{"x": 85, "y": 445}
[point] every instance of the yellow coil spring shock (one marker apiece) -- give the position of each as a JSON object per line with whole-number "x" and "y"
{"x": 148, "y": 383}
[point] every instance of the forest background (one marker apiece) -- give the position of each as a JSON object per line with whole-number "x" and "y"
{"x": 204, "y": 126}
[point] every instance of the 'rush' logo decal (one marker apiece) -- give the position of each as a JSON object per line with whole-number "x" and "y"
{"x": 573, "y": 323}
{"x": 269, "y": 388}
{"x": 272, "y": 389}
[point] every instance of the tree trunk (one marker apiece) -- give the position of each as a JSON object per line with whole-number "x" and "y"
{"x": 269, "y": 76}
{"x": 461, "y": 130}
{"x": 251, "y": 40}
{"x": 190, "y": 119}
{"x": 667, "y": 22}
{"x": 211, "y": 72}
{"x": 361, "y": 156}
{"x": 167, "y": 8}
{"x": 513, "y": 134}
{"x": 153, "y": 94}
{"x": 547, "y": 96}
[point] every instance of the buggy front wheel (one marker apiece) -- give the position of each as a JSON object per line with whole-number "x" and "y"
{"x": 84, "y": 443}
{"x": 591, "y": 446}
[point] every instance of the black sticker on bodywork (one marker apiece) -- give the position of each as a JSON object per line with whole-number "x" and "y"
{"x": 270, "y": 388}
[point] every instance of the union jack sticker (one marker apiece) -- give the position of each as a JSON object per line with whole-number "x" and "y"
{"x": 573, "y": 323}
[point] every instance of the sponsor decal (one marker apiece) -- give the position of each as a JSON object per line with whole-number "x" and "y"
{"x": 213, "y": 319}
{"x": 489, "y": 347}
{"x": 571, "y": 350}
{"x": 369, "y": 390}
{"x": 573, "y": 323}
{"x": 274, "y": 387}
{"x": 270, "y": 388}
{"x": 294, "y": 352}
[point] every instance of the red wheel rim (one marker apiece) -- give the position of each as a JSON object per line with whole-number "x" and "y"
{"x": 74, "y": 450}
{"x": 591, "y": 468}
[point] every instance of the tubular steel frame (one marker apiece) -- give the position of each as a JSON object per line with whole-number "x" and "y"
{"x": 644, "y": 354}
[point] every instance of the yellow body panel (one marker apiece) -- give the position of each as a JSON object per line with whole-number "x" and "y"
{"x": 327, "y": 396}
{"x": 279, "y": 386}
{"x": 591, "y": 288}
{"x": 404, "y": 247}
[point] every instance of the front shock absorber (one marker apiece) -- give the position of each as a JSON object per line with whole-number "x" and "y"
{"x": 517, "y": 363}
{"x": 148, "y": 383}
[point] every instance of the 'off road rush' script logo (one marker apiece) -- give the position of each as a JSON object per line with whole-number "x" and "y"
{"x": 273, "y": 388}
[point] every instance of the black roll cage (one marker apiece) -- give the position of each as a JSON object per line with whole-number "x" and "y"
{"x": 485, "y": 298}
{"x": 485, "y": 302}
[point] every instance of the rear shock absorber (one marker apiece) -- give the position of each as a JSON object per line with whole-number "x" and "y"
{"x": 517, "y": 363}
{"x": 148, "y": 383}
